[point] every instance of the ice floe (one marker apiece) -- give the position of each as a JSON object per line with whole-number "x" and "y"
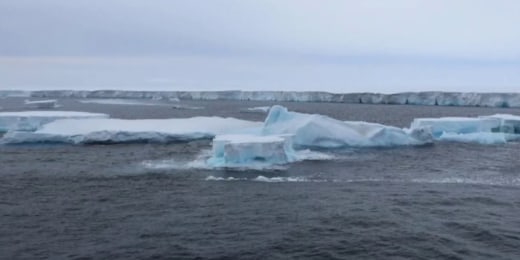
{"x": 32, "y": 120}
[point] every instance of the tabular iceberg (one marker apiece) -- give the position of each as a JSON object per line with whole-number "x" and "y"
{"x": 120, "y": 130}
{"x": 43, "y": 104}
{"x": 318, "y": 131}
{"x": 458, "y": 125}
{"x": 240, "y": 150}
{"x": 32, "y": 120}
{"x": 262, "y": 110}
{"x": 494, "y": 129}
{"x": 508, "y": 123}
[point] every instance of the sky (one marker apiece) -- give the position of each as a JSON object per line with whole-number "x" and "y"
{"x": 294, "y": 45}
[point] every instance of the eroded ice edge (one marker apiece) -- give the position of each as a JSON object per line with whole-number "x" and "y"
{"x": 284, "y": 137}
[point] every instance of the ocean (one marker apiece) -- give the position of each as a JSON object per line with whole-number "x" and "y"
{"x": 144, "y": 201}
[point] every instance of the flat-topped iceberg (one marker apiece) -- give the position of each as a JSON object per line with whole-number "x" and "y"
{"x": 318, "y": 131}
{"x": 264, "y": 109}
{"x": 239, "y": 150}
{"x": 121, "y": 131}
{"x": 122, "y": 101}
{"x": 32, "y": 120}
{"x": 494, "y": 129}
{"x": 508, "y": 123}
{"x": 41, "y": 104}
{"x": 458, "y": 125}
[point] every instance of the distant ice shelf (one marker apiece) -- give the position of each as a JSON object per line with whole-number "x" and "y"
{"x": 407, "y": 98}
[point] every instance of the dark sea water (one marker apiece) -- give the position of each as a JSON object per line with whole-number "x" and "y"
{"x": 141, "y": 201}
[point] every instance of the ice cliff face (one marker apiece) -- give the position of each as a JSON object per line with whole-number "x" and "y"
{"x": 407, "y": 98}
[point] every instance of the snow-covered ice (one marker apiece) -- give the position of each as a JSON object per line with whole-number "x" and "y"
{"x": 318, "y": 131}
{"x": 32, "y": 120}
{"x": 122, "y": 130}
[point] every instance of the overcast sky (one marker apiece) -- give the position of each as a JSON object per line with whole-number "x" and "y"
{"x": 340, "y": 46}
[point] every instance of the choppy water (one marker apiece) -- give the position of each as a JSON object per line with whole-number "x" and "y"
{"x": 141, "y": 201}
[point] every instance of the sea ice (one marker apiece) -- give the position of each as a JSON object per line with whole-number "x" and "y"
{"x": 32, "y": 120}
{"x": 121, "y": 130}
{"x": 320, "y": 131}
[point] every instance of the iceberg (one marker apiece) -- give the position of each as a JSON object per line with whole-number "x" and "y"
{"x": 486, "y": 138}
{"x": 494, "y": 129}
{"x": 106, "y": 130}
{"x": 262, "y": 110}
{"x": 458, "y": 125}
{"x": 253, "y": 151}
{"x": 113, "y": 101}
{"x": 508, "y": 123}
{"x": 240, "y": 150}
{"x": 32, "y": 120}
{"x": 318, "y": 131}
{"x": 51, "y": 103}
{"x": 186, "y": 107}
